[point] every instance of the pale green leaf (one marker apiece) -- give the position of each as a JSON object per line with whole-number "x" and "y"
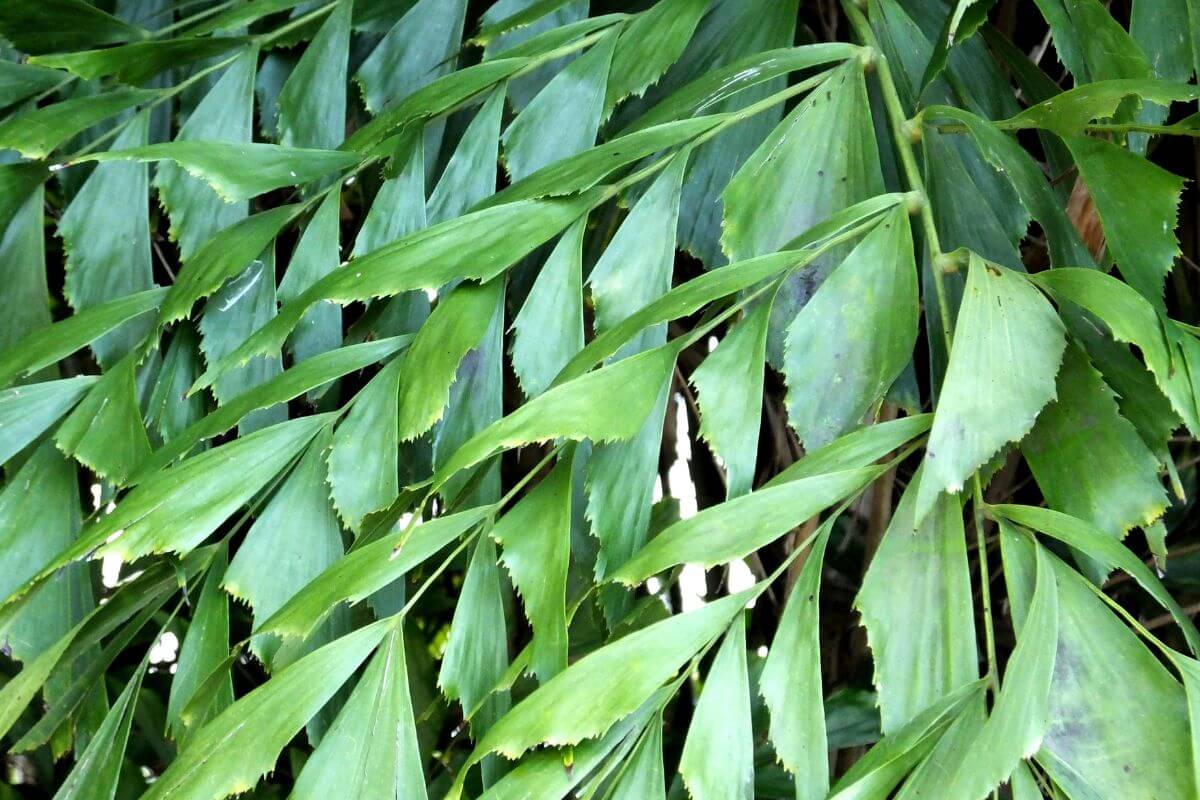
{"x": 1008, "y": 343}
{"x": 384, "y": 764}
{"x": 39, "y": 132}
{"x": 95, "y": 774}
{"x": 242, "y": 170}
{"x": 548, "y": 330}
{"x": 105, "y": 432}
{"x": 717, "y": 762}
{"x": 730, "y": 383}
{"x": 916, "y": 605}
{"x": 855, "y": 334}
{"x": 571, "y": 105}
{"x": 366, "y": 570}
{"x": 535, "y": 537}
{"x": 790, "y": 682}
{"x": 1137, "y": 203}
{"x": 298, "y": 524}
{"x": 740, "y": 526}
{"x": 312, "y": 103}
{"x": 28, "y": 411}
{"x": 230, "y": 753}
{"x": 107, "y": 241}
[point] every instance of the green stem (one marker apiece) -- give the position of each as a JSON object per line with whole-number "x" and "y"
{"x": 985, "y": 582}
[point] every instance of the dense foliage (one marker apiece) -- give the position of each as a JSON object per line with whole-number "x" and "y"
{"x": 710, "y": 398}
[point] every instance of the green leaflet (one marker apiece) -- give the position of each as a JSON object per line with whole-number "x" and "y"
{"x": 420, "y": 47}
{"x": 821, "y": 159}
{"x": 1130, "y": 318}
{"x": 826, "y": 146}
{"x": 19, "y": 81}
{"x": 315, "y": 256}
{"x": 620, "y": 491}
{"x": 1105, "y": 51}
{"x": 854, "y": 336}
{"x": 740, "y": 526}
{"x": 203, "y": 650}
{"x": 170, "y": 411}
{"x": 223, "y": 256}
{"x": 50, "y": 343}
{"x": 478, "y": 246}
{"x": 149, "y": 589}
{"x": 178, "y": 508}
{"x": 731, "y": 31}
{"x": 572, "y": 105}
{"x": 138, "y": 62}
{"x": 470, "y": 174}
{"x": 548, "y": 330}
{"x": 718, "y": 84}
{"x": 543, "y": 772}
{"x": 238, "y": 171}
{"x": 790, "y": 682}
{"x": 230, "y": 754}
{"x": 240, "y": 307}
{"x": 477, "y": 648}
{"x": 1112, "y": 553}
{"x": 583, "y": 701}
{"x": 312, "y": 103}
{"x": 1021, "y": 715}
{"x": 718, "y": 757}
{"x": 317, "y": 371}
{"x": 643, "y": 774}
{"x": 588, "y": 168}
{"x": 1008, "y": 343}
{"x": 476, "y": 401}
{"x": 1013, "y": 162}
{"x": 39, "y": 517}
{"x": 507, "y": 25}
{"x": 966, "y": 17}
{"x": 606, "y": 405}
{"x": 730, "y": 383}
{"x": 916, "y": 605}
{"x": 39, "y": 132}
{"x": 437, "y": 98}
{"x": 1067, "y": 113}
{"x": 105, "y": 432}
{"x": 366, "y": 570}
{"x": 224, "y": 115}
{"x": 536, "y": 540}
{"x": 1115, "y": 493}
{"x": 1095, "y": 745}
{"x": 878, "y": 772}
{"x": 1137, "y": 203}
{"x": 298, "y": 521}
{"x": 42, "y": 27}
{"x": 694, "y": 294}
{"x": 363, "y": 462}
{"x": 107, "y": 241}
{"x": 456, "y": 325}
{"x": 28, "y": 411}
{"x": 399, "y": 206}
{"x": 95, "y": 774}
{"x": 648, "y": 45}
{"x": 23, "y": 254}
{"x": 856, "y": 449}
{"x": 635, "y": 269}
{"x": 375, "y": 767}
{"x": 66, "y": 704}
